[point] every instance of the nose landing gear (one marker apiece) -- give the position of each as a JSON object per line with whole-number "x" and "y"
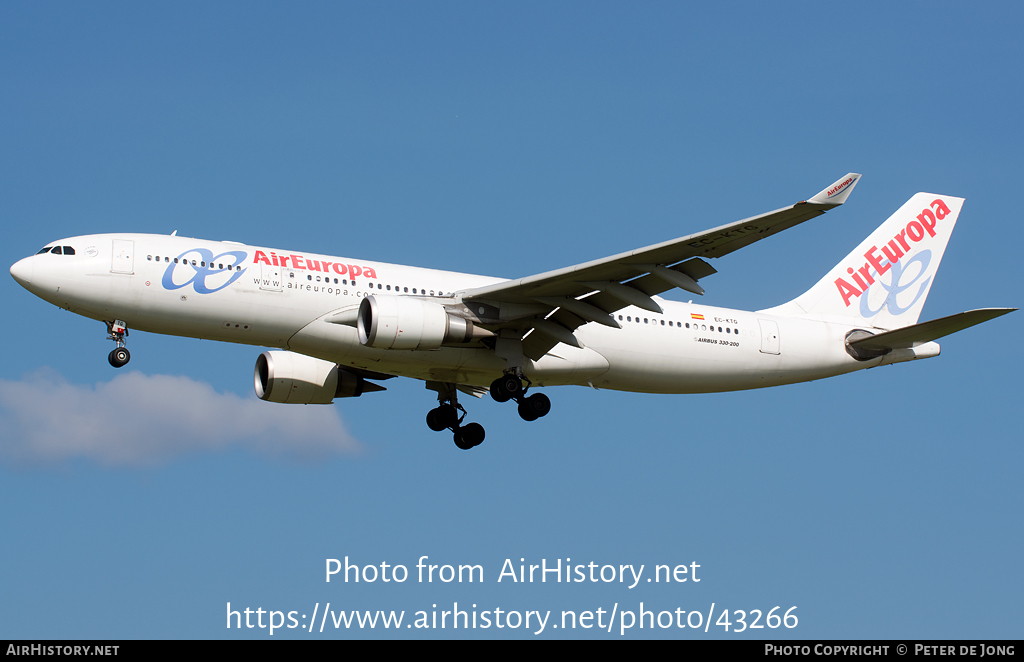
{"x": 510, "y": 387}
{"x": 118, "y": 331}
{"x": 446, "y": 417}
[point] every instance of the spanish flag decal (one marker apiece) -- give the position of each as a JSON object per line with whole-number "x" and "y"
{"x": 695, "y": 316}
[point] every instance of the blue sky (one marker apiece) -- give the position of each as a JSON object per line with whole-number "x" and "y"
{"x": 508, "y": 140}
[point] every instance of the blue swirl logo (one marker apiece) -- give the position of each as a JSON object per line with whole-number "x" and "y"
{"x": 202, "y": 268}
{"x": 894, "y": 287}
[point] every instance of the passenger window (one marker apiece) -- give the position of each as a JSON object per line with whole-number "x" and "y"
{"x": 220, "y": 266}
{"x": 407, "y": 290}
{"x": 629, "y": 318}
{"x": 663, "y": 322}
{"x": 620, "y": 318}
{"x": 728, "y": 330}
{"x": 687, "y": 325}
{"x": 149, "y": 258}
{"x": 389, "y": 288}
{"x": 56, "y": 250}
{"x": 167, "y": 259}
{"x": 309, "y": 278}
{"x": 44, "y": 250}
{"x": 719, "y": 329}
{"x": 202, "y": 264}
{"x": 175, "y": 260}
{"x": 645, "y": 320}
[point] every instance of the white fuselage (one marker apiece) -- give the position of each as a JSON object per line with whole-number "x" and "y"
{"x": 267, "y": 297}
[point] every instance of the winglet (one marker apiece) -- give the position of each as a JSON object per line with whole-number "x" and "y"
{"x": 837, "y": 193}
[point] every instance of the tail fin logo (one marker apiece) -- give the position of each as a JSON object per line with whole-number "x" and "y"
{"x": 889, "y": 260}
{"x": 895, "y": 286}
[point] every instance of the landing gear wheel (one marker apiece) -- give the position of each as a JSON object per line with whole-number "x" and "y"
{"x": 119, "y": 357}
{"x": 473, "y": 432}
{"x": 442, "y": 417}
{"x": 447, "y": 415}
{"x": 432, "y": 421}
{"x": 506, "y": 387}
{"x": 468, "y": 436}
{"x": 498, "y": 392}
{"x": 461, "y": 441}
{"x": 535, "y": 406}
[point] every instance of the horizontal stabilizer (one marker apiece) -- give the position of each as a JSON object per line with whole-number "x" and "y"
{"x": 919, "y": 334}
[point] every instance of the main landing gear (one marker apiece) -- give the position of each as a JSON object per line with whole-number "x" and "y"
{"x": 118, "y": 331}
{"x": 510, "y": 387}
{"x": 446, "y": 417}
{"x": 449, "y": 414}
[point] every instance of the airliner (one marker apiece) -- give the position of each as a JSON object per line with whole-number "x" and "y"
{"x": 341, "y": 325}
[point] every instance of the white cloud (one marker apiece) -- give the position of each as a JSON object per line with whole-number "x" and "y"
{"x": 138, "y": 419}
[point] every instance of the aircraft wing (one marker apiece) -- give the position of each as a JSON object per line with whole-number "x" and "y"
{"x": 592, "y": 291}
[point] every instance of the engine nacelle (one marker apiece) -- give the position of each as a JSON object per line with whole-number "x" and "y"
{"x": 293, "y": 378}
{"x": 408, "y": 323}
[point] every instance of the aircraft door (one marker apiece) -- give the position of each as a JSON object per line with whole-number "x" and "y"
{"x": 122, "y": 260}
{"x": 270, "y": 278}
{"x": 769, "y": 336}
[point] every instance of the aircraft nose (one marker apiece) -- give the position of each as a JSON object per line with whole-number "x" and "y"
{"x": 22, "y": 271}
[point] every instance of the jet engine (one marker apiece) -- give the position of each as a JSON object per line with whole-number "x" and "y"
{"x": 293, "y": 378}
{"x": 408, "y": 323}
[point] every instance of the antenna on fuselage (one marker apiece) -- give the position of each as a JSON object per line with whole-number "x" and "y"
{"x": 174, "y": 234}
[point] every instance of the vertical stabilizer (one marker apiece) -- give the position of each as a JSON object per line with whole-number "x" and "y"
{"x": 884, "y": 282}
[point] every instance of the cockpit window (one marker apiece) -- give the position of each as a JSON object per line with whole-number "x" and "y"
{"x": 45, "y": 250}
{"x": 56, "y": 250}
{"x": 68, "y": 250}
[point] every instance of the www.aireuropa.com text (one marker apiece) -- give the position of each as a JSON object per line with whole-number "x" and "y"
{"x": 536, "y": 621}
